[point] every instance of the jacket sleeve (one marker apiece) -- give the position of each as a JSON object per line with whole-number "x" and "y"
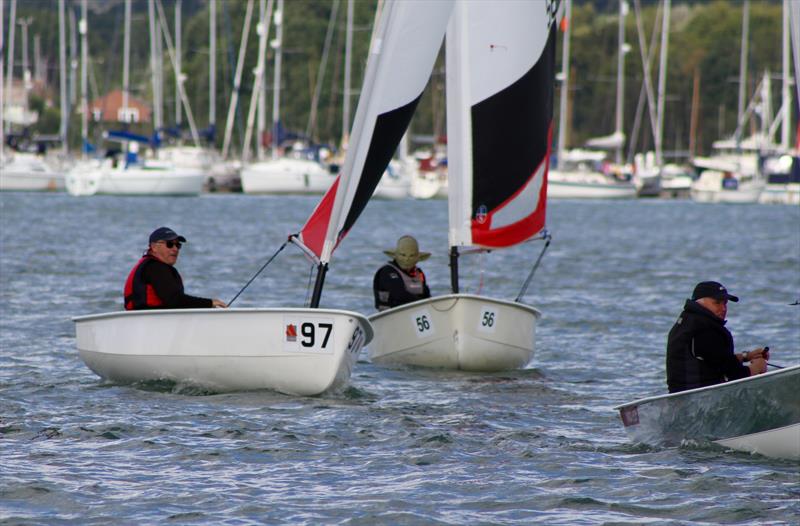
{"x": 707, "y": 345}
{"x": 169, "y": 288}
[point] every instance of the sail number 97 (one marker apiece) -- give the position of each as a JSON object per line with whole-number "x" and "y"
{"x": 309, "y": 332}
{"x": 308, "y": 335}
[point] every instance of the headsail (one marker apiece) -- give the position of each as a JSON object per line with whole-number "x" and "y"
{"x": 407, "y": 41}
{"x": 500, "y": 76}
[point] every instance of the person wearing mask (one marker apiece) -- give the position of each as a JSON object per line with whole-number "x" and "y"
{"x": 400, "y": 281}
{"x": 154, "y": 282}
{"x": 700, "y": 349}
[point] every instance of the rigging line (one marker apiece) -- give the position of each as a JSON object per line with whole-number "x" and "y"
{"x": 776, "y": 366}
{"x": 547, "y": 237}
{"x": 309, "y": 285}
{"x": 257, "y": 273}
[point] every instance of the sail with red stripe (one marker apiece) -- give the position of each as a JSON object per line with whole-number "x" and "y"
{"x": 407, "y": 40}
{"x": 500, "y": 84}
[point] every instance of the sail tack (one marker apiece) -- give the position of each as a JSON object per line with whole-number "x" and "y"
{"x": 407, "y": 41}
{"x": 500, "y": 76}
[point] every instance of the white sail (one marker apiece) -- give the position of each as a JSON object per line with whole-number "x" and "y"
{"x": 406, "y": 43}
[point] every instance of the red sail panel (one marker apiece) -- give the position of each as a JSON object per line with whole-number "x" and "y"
{"x": 313, "y": 232}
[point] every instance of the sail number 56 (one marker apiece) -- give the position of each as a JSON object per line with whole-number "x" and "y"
{"x": 488, "y": 319}
{"x": 423, "y": 323}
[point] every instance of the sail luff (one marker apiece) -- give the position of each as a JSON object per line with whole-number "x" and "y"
{"x": 459, "y": 128}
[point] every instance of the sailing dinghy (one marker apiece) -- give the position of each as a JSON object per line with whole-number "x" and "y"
{"x": 500, "y": 75}
{"x": 300, "y": 351}
{"x": 759, "y": 414}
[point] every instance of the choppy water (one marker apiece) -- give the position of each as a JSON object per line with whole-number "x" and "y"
{"x": 401, "y": 446}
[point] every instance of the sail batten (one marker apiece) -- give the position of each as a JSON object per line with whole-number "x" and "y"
{"x": 500, "y": 71}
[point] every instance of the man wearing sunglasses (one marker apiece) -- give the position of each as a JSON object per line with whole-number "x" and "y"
{"x": 154, "y": 282}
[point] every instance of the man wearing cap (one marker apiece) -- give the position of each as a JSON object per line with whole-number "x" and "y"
{"x": 699, "y": 347}
{"x": 400, "y": 281}
{"x": 154, "y": 282}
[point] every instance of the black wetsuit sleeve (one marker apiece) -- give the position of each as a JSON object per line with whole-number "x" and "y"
{"x": 168, "y": 287}
{"x": 721, "y": 358}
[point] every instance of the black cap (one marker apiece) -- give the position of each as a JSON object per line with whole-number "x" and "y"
{"x": 165, "y": 234}
{"x": 712, "y": 289}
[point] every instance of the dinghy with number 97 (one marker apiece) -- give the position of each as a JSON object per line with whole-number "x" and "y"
{"x": 302, "y": 351}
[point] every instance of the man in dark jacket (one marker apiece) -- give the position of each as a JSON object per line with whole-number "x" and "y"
{"x": 400, "y": 281}
{"x": 699, "y": 347}
{"x": 154, "y": 283}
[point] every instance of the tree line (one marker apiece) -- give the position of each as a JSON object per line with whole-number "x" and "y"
{"x": 704, "y": 55}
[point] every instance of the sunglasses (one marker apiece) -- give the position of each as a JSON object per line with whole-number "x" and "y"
{"x": 175, "y": 244}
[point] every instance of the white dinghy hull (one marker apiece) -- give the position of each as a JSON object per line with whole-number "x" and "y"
{"x": 759, "y": 414}
{"x": 302, "y": 352}
{"x": 456, "y": 331}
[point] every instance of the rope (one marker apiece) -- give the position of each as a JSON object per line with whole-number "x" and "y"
{"x": 257, "y": 273}
{"x": 547, "y": 237}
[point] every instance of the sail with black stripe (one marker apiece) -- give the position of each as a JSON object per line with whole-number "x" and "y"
{"x": 500, "y": 84}
{"x": 407, "y": 41}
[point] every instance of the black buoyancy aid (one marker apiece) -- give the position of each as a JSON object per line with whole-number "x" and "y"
{"x": 413, "y": 283}
{"x": 138, "y": 294}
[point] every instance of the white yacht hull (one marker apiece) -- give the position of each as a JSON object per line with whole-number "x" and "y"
{"x": 302, "y": 352}
{"x": 456, "y": 331}
{"x": 578, "y": 185}
{"x": 152, "y": 178}
{"x": 781, "y": 194}
{"x": 286, "y": 176}
{"x": 724, "y": 414}
{"x": 712, "y": 191}
{"x": 24, "y": 172}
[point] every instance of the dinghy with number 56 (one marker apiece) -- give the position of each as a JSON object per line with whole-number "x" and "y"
{"x": 302, "y": 351}
{"x": 500, "y": 75}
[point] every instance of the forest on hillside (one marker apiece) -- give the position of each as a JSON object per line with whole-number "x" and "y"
{"x": 704, "y": 51}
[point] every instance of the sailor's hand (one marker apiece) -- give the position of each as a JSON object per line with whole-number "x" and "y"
{"x": 762, "y": 353}
{"x": 757, "y": 366}
{"x": 218, "y": 304}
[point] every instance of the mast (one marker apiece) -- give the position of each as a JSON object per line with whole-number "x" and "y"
{"x": 562, "y": 112}
{"x": 262, "y": 28}
{"x": 743, "y": 63}
{"x": 623, "y": 11}
{"x": 662, "y": 81}
{"x": 348, "y": 53}
{"x": 212, "y": 64}
{"x": 237, "y": 80}
{"x": 83, "y": 28}
{"x": 12, "y": 23}
{"x": 126, "y": 61}
{"x": 786, "y": 94}
{"x": 2, "y": 84}
{"x": 157, "y": 122}
{"x": 263, "y": 32}
{"x": 62, "y": 72}
{"x": 323, "y": 63}
{"x": 277, "y": 44}
{"x": 178, "y": 70}
{"x": 26, "y": 73}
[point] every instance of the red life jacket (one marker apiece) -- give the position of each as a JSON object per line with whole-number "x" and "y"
{"x": 138, "y": 294}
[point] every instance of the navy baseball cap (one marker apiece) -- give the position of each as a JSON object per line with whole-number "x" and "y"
{"x": 712, "y": 289}
{"x": 165, "y": 234}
